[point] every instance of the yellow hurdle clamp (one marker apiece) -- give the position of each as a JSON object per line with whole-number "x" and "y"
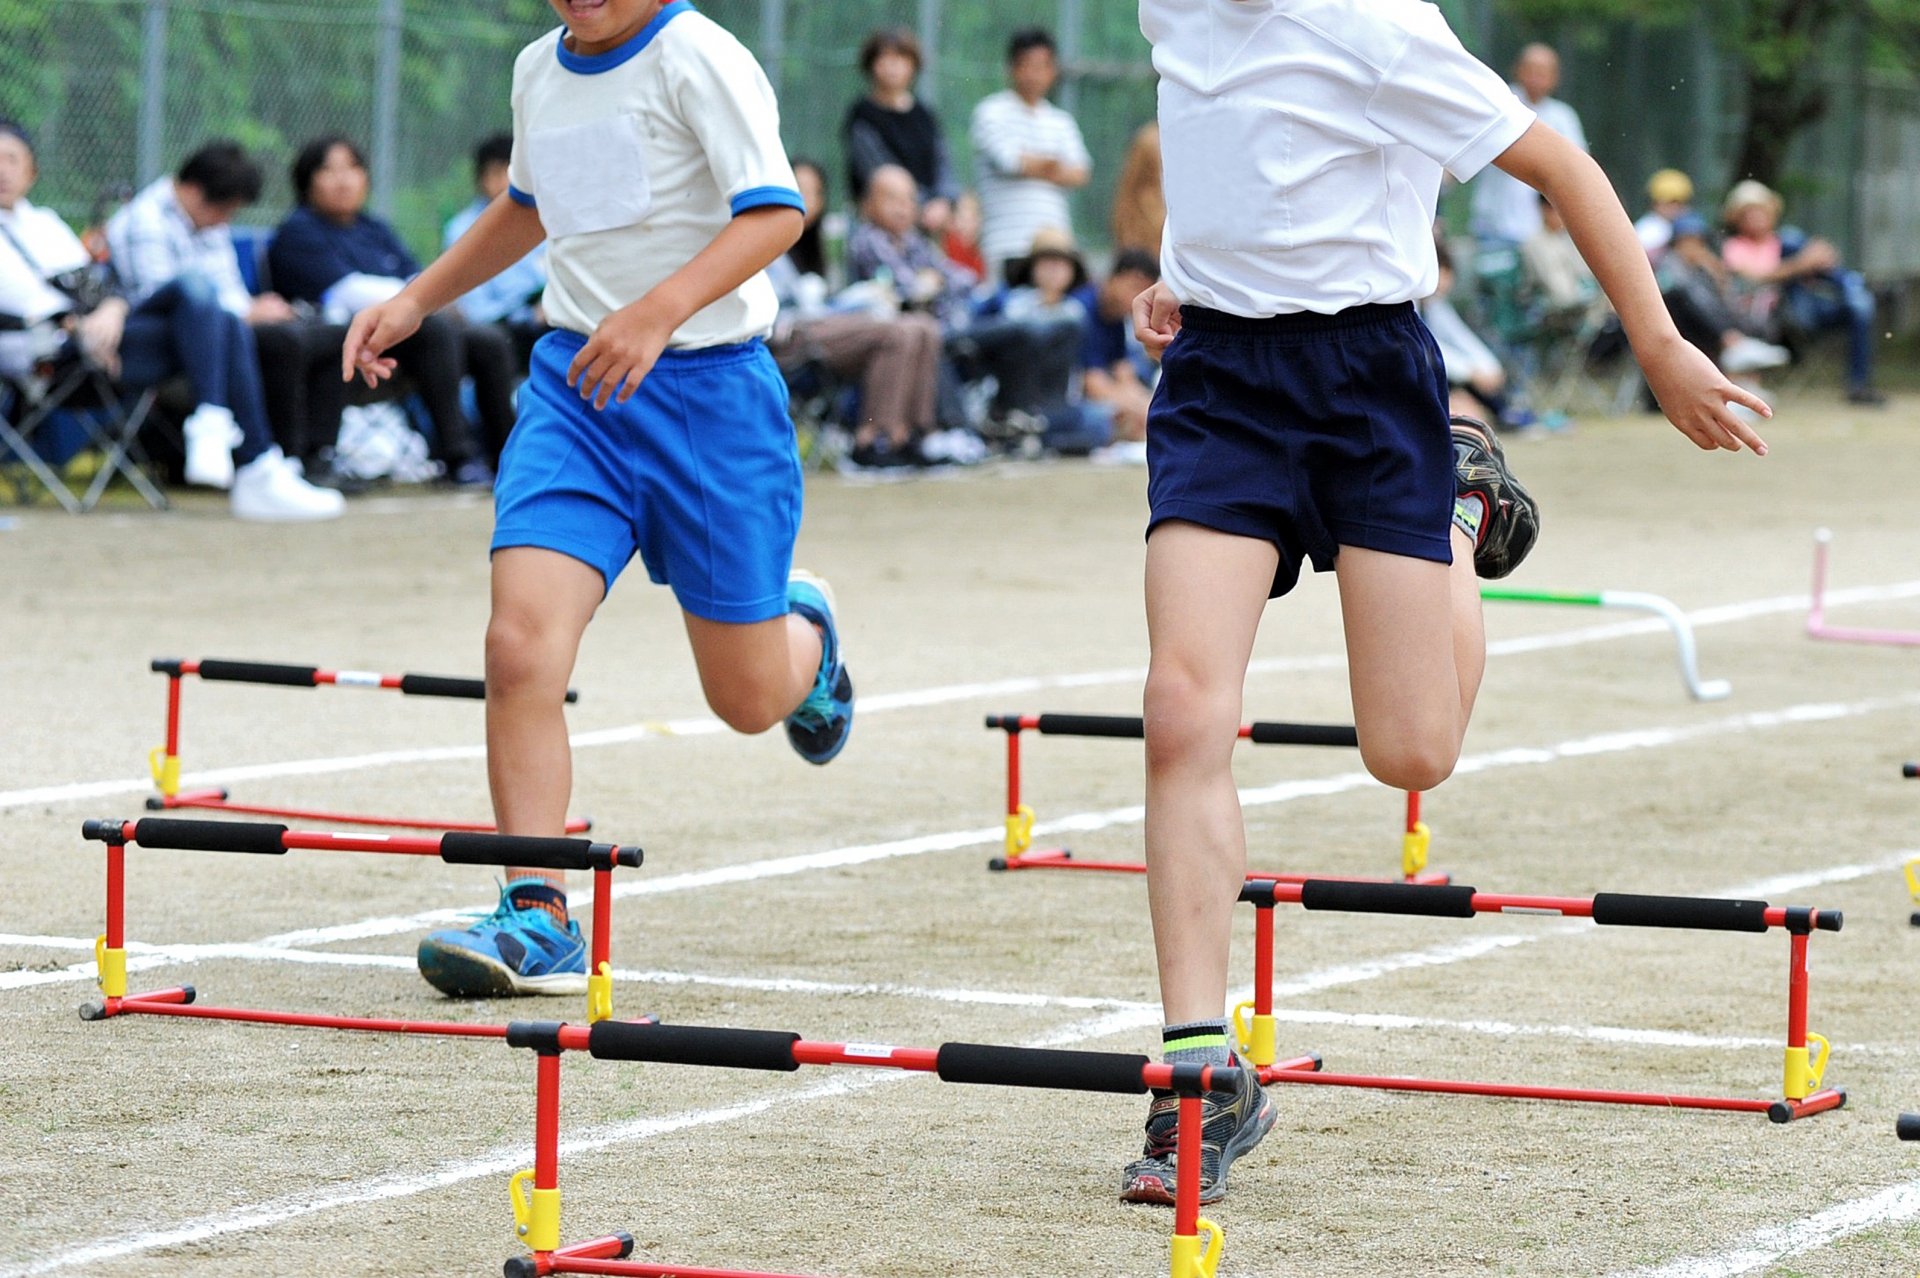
{"x": 112, "y": 967}
{"x": 536, "y": 1212}
{"x": 1255, "y": 1034}
{"x": 1019, "y": 831}
{"x": 166, "y": 770}
{"x": 1413, "y": 849}
{"x": 1806, "y": 1066}
{"x": 600, "y": 994}
{"x": 1198, "y": 1255}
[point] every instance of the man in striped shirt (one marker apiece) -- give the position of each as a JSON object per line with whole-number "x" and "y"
{"x": 1028, "y": 151}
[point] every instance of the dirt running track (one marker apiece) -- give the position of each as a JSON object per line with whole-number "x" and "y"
{"x": 143, "y": 1146}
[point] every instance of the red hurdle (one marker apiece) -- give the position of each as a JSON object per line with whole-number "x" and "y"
{"x": 455, "y": 848}
{"x": 1806, "y": 1054}
{"x": 1020, "y": 854}
{"x": 1197, "y": 1242}
{"x": 165, "y": 759}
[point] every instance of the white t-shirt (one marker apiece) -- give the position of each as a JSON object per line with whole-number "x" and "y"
{"x": 637, "y": 158}
{"x": 1504, "y": 207}
{"x": 34, "y": 246}
{"x": 1303, "y": 145}
{"x": 1013, "y": 209}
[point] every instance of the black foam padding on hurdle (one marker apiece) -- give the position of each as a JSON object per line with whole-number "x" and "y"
{"x": 693, "y": 1045}
{"x": 1707, "y": 914}
{"x": 1092, "y": 725}
{"x": 419, "y": 685}
{"x": 514, "y": 849}
{"x": 1907, "y": 1127}
{"x": 209, "y": 836}
{"x": 1304, "y": 734}
{"x": 1041, "y": 1067}
{"x": 258, "y": 672}
{"x": 1444, "y": 901}
{"x": 107, "y": 830}
{"x": 1910, "y": 769}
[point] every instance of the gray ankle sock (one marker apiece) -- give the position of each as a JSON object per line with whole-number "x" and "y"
{"x": 1197, "y": 1043}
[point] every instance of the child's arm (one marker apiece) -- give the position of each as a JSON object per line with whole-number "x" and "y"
{"x": 1692, "y": 392}
{"x": 624, "y": 347}
{"x": 503, "y": 234}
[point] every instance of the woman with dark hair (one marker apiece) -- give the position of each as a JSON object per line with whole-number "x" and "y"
{"x": 331, "y": 253}
{"x": 891, "y": 126}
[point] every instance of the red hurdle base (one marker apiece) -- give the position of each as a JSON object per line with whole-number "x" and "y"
{"x": 179, "y": 1001}
{"x": 217, "y": 801}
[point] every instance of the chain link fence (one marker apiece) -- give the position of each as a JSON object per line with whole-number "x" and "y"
{"x": 117, "y": 91}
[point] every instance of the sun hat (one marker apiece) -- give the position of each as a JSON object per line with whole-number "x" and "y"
{"x": 1749, "y": 194}
{"x": 1670, "y": 186}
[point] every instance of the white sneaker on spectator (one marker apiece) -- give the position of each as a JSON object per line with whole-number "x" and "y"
{"x": 1122, "y": 452}
{"x": 211, "y": 435}
{"x": 1750, "y": 355}
{"x": 266, "y": 490}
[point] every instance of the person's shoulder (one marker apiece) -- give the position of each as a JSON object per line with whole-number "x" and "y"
{"x": 540, "y": 53}
{"x": 690, "y": 35}
{"x": 993, "y": 102}
{"x": 1375, "y": 32}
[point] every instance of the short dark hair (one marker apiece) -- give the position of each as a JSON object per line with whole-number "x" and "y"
{"x": 223, "y": 171}
{"x": 15, "y": 129}
{"x": 1139, "y": 261}
{"x": 890, "y": 40}
{"x": 497, "y": 149}
{"x": 313, "y": 156}
{"x": 1026, "y": 40}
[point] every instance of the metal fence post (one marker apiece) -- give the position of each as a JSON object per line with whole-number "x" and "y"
{"x": 153, "y": 91}
{"x": 773, "y": 39}
{"x": 929, "y": 85}
{"x": 386, "y": 104}
{"x": 1069, "y": 39}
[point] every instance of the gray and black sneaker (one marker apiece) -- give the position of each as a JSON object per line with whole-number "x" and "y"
{"x": 1490, "y": 506}
{"x": 1232, "y": 1122}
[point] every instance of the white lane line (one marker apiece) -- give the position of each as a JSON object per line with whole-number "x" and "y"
{"x": 913, "y": 699}
{"x": 1764, "y": 1247}
{"x": 1133, "y": 814}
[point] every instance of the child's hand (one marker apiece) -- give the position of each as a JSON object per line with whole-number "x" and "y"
{"x": 1156, "y": 319}
{"x": 1693, "y": 393}
{"x": 620, "y": 354}
{"x": 374, "y": 331}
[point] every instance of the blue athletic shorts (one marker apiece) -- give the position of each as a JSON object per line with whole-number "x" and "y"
{"x": 1308, "y": 431}
{"x": 698, "y": 472}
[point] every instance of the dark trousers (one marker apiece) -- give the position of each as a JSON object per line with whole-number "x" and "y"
{"x": 1032, "y": 360}
{"x": 300, "y": 370}
{"x": 183, "y": 329}
{"x": 1838, "y": 299}
{"x": 434, "y": 360}
{"x": 495, "y": 365}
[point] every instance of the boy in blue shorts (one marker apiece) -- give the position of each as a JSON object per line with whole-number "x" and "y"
{"x": 1302, "y": 414}
{"x": 646, "y": 154}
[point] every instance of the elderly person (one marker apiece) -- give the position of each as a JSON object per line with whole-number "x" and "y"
{"x": 891, "y": 126}
{"x": 1028, "y": 151}
{"x": 888, "y": 241}
{"x": 1506, "y": 211}
{"x": 191, "y": 316}
{"x": 329, "y": 252}
{"x": 894, "y": 358}
{"x": 1799, "y": 280}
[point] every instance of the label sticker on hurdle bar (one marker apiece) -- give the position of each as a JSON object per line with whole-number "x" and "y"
{"x": 357, "y": 678}
{"x": 1530, "y": 909}
{"x": 872, "y": 1051}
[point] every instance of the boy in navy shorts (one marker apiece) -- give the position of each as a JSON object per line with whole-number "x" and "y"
{"x": 646, "y": 154}
{"x": 1302, "y": 415}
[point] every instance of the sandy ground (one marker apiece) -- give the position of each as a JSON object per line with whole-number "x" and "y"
{"x": 148, "y": 1146}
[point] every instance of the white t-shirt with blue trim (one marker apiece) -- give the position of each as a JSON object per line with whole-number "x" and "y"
{"x": 1304, "y": 142}
{"x": 637, "y": 158}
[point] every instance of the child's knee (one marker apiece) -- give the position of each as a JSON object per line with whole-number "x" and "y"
{"x": 1186, "y": 718}
{"x": 520, "y": 654}
{"x": 1411, "y": 762}
{"x": 747, "y": 706}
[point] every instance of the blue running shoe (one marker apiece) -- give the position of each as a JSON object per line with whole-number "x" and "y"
{"x": 820, "y": 727}
{"x": 518, "y": 949}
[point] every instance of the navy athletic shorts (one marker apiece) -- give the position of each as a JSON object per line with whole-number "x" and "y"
{"x": 1308, "y": 431}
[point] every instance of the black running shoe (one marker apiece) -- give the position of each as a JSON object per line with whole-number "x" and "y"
{"x": 1232, "y": 1121}
{"x": 1491, "y": 506}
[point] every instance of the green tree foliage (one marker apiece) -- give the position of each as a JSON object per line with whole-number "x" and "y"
{"x": 1784, "y": 52}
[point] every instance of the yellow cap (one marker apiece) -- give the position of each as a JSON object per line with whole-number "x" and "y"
{"x": 1670, "y": 186}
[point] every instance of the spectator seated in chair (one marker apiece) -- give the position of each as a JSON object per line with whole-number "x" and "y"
{"x": 331, "y": 254}
{"x": 1799, "y": 281}
{"x": 509, "y": 302}
{"x": 1115, "y": 370}
{"x": 1477, "y": 379}
{"x": 1700, "y": 297}
{"x": 190, "y": 315}
{"x": 1670, "y": 195}
{"x": 893, "y": 356}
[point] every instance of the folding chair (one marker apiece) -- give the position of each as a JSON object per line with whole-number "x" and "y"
{"x": 75, "y": 388}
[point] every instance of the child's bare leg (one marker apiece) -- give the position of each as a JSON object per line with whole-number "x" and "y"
{"x": 1205, "y": 594}
{"x": 542, "y": 602}
{"x": 754, "y": 675}
{"x": 1416, "y": 649}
